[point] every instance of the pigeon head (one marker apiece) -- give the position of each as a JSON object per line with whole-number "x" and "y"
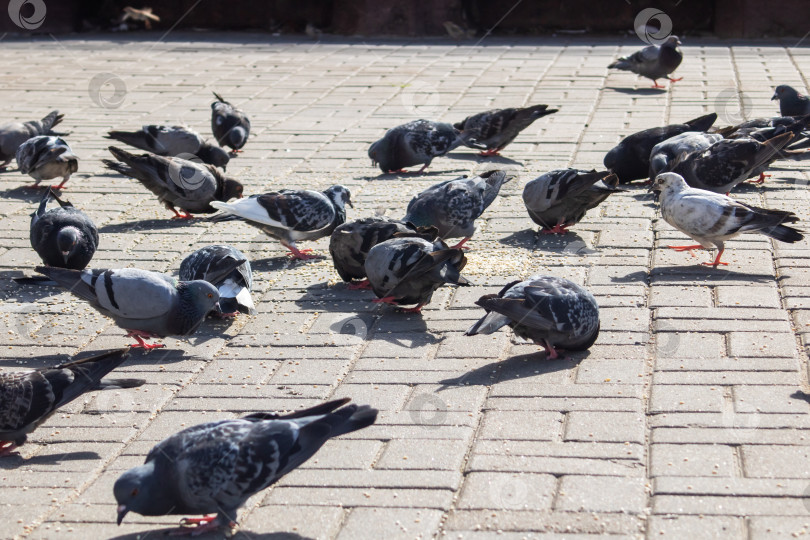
{"x": 139, "y": 490}
{"x": 197, "y": 298}
{"x": 231, "y": 189}
{"x": 68, "y": 241}
{"x": 339, "y": 195}
{"x": 671, "y": 41}
{"x": 378, "y": 152}
{"x": 214, "y": 155}
{"x": 669, "y": 181}
{"x": 784, "y": 91}
{"x": 237, "y": 137}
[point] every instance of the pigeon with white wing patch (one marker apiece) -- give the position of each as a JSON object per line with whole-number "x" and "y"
{"x": 234, "y": 288}
{"x": 45, "y": 157}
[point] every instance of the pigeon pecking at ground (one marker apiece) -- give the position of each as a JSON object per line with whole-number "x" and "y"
{"x": 665, "y": 154}
{"x": 653, "y": 62}
{"x": 13, "y": 134}
{"x": 414, "y": 143}
{"x": 213, "y": 468}
{"x": 791, "y": 102}
{"x": 234, "y": 287}
{"x": 231, "y": 126}
{"x": 493, "y": 130}
{"x": 45, "y": 157}
{"x": 550, "y": 311}
{"x": 559, "y": 199}
{"x": 145, "y": 304}
{"x": 711, "y": 218}
{"x": 291, "y": 215}
{"x": 453, "y": 206}
{"x": 176, "y": 141}
{"x": 64, "y": 237}
{"x": 177, "y": 182}
{"x": 409, "y": 270}
{"x": 29, "y": 398}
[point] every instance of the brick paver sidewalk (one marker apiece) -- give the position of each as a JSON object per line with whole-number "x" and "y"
{"x": 685, "y": 420}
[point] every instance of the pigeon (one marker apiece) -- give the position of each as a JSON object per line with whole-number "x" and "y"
{"x": 453, "y": 206}
{"x": 763, "y": 129}
{"x": 230, "y": 125}
{"x": 213, "y": 468}
{"x": 409, "y": 270}
{"x": 146, "y": 304}
{"x": 64, "y": 237}
{"x": 653, "y": 62}
{"x": 234, "y": 287}
{"x": 46, "y": 156}
{"x": 711, "y": 218}
{"x": 791, "y": 103}
{"x": 413, "y": 143}
{"x": 176, "y": 181}
{"x": 350, "y": 243}
{"x": 29, "y": 398}
{"x": 13, "y": 134}
{"x": 176, "y": 141}
{"x": 291, "y": 215}
{"x": 553, "y": 312}
{"x": 495, "y": 129}
{"x": 630, "y": 159}
{"x": 560, "y": 198}
{"x": 665, "y": 153}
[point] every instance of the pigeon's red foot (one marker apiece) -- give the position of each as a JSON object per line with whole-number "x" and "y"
{"x": 674, "y": 80}
{"x": 761, "y": 179}
{"x": 716, "y": 260}
{"x": 656, "y": 85}
{"x": 556, "y": 229}
{"x": 490, "y": 152}
{"x": 62, "y": 184}
{"x": 461, "y": 245}
{"x": 178, "y": 215}
{"x": 198, "y": 526}
{"x": 398, "y": 171}
{"x": 417, "y": 309}
{"x": 385, "y": 300}
{"x": 359, "y": 285}
{"x": 7, "y": 448}
{"x": 139, "y": 337}
{"x": 420, "y": 171}
{"x": 300, "y": 254}
{"x": 687, "y": 248}
{"x": 231, "y": 315}
{"x": 551, "y": 352}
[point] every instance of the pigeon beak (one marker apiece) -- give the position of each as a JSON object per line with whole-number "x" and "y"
{"x": 65, "y": 256}
{"x": 775, "y": 96}
{"x": 122, "y": 511}
{"x": 350, "y": 204}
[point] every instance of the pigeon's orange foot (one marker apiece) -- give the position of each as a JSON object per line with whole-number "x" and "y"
{"x": 178, "y": 215}
{"x": 197, "y": 526}
{"x": 417, "y": 309}
{"x": 231, "y": 315}
{"x": 398, "y": 171}
{"x": 141, "y": 343}
{"x": 490, "y": 152}
{"x": 674, "y": 80}
{"x": 359, "y": 285}
{"x": 556, "y": 229}
{"x": 551, "y": 352}
{"x": 461, "y": 245}
{"x": 761, "y": 179}
{"x": 716, "y": 260}
{"x": 300, "y": 254}
{"x": 687, "y": 248}
{"x": 7, "y": 448}
{"x": 656, "y": 85}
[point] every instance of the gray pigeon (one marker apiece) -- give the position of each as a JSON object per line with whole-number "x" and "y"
{"x": 409, "y": 270}
{"x": 146, "y": 304}
{"x": 791, "y": 102}
{"x": 665, "y": 154}
{"x": 711, "y": 218}
{"x": 231, "y": 126}
{"x": 559, "y": 199}
{"x": 453, "y": 206}
{"x": 550, "y": 311}
{"x": 494, "y": 130}
{"x": 234, "y": 287}
{"x": 653, "y": 62}
{"x": 291, "y": 215}
{"x": 29, "y": 398}
{"x": 64, "y": 237}
{"x": 177, "y": 182}
{"x": 414, "y": 143}
{"x": 13, "y": 134}
{"x": 176, "y": 141}
{"x": 45, "y": 157}
{"x": 350, "y": 243}
{"x": 213, "y": 468}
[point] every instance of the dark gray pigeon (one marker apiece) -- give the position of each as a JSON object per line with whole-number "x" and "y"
{"x": 711, "y": 218}
{"x": 653, "y": 62}
{"x": 350, "y": 243}
{"x": 234, "y": 288}
{"x": 231, "y": 126}
{"x": 29, "y": 398}
{"x": 630, "y": 159}
{"x": 291, "y": 215}
{"x": 494, "y": 130}
{"x": 559, "y": 199}
{"x": 64, "y": 237}
{"x": 213, "y": 468}
{"x": 175, "y": 141}
{"x": 763, "y": 129}
{"x": 405, "y": 271}
{"x": 414, "y": 143}
{"x": 555, "y": 313}
{"x": 791, "y": 102}
{"x": 13, "y": 134}
{"x": 45, "y": 157}
{"x": 177, "y": 182}
{"x": 453, "y": 206}
{"x": 665, "y": 154}
{"x": 145, "y": 304}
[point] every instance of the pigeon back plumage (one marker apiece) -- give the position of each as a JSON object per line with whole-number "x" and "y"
{"x": 13, "y": 134}
{"x": 495, "y": 129}
{"x": 414, "y": 143}
{"x": 230, "y": 125}
{"x": 234, "y": 287}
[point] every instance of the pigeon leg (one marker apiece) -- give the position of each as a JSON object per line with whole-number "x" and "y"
{"x": 716, "y": 260}
{"x": 490, "y": 152}
{"x": 551, "y": 352}
{"x": 417, "y": 309}
{"x": 231, "y": 315}
{"x": 420, "y": 171}
{"x": 761, "y": 179}
{"x": 357, "y": 285}
{"x": 7, "y": 448}
{"x": 178, "y": 215}
{"x": 141, "y": 343}
{"x": 301, "y": 254}
{"x": 62, "y": 184}
{"x": 656, "y": 85}
{"x": 398, "y": 171}
{"x": 386, "y": 300}
{"x": 197, "y": 526}
{"x": 559, "y": 228}
{"x": 674, "y": 80}
{"x": 686, "y": 248}
{"x": 461, "y": 245}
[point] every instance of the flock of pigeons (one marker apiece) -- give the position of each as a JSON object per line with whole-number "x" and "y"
{"x": 214, "y": 468}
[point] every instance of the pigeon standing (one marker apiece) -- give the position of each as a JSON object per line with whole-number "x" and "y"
{"x": 45, "y": 157}
{"x": 213, "y": 468}
{"x": 791, "y": 102}
{"x": 64, "y": 237}
{"x": 414, "y": 143}
{"x": 550, "y": 311}
{"x": 494, "y": 130}
{"x": 29, "y": 398}
{"x": 653, "y": 62}
{"x": 291, "y": 215}
{"x": 173, "y": 141}
{"x": 453, "y": 206}
{"x": 13, "y": 134}
{"x": 559, "y": 199}
{"x": 711, "y": 218}
{"x": 234, "y": 287}
{"x": 177, "y": 182}
{"x": 231, "y": 126}
{"x": 665, "y": 154}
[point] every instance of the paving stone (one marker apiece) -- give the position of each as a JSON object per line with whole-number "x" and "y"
{"x": 601, "y": 494}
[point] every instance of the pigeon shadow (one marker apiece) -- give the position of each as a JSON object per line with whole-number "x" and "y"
{"x": 522, "y": 366}
{"x": 28, "y": 291}
{"x": 413, "y": 174}
{"x": 240, "y": 533}
{"x": 637, "y": 91}
{"x": 690, "y": 274}
{"x": 270, "y": 264}
{"x": 799, "y": 394}
{"x": 568, "y": 243}
{"x": 407, "y": 330}
{"x": 23, "y": 193}
{"x": 336, "y": 298}
{"x": 146, "y": 225}
{"x": 526, "y": 239}
{"x": 466, "y": 156}
{"x": 14, "y": 461}
{"x": 164, "y": 355}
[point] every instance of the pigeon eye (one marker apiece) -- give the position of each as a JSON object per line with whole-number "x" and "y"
{"x": 134, "y": 492}
{"x": 210, "y": 295}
